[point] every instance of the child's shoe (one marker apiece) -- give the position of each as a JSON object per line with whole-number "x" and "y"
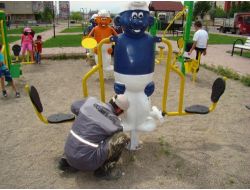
{"x": 17, "y": 95}
{"x": 4, "y": 93}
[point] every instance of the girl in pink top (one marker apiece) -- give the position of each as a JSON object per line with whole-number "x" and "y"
{"x": 27, "y": 43}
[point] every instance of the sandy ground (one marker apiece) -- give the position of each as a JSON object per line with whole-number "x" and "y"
{"x": 201, "y": 151}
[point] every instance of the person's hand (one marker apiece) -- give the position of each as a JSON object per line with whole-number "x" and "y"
{"x": 205, "y": 52}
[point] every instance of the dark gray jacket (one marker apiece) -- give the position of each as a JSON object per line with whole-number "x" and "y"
{"x": 95, "y": 123}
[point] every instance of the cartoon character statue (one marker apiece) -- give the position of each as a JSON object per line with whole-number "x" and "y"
{"x": 134, "y": 69}
{"x": 99, "y": 32}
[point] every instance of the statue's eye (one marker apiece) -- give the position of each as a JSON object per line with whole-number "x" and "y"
{"x": 140, "y": 14}
{"x": 134, "y": 15}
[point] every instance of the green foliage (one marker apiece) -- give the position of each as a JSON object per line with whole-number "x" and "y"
{"x": 76, "y": 16}
{"x": 214, "y": 38}
{"x": 217, "y": 12}
{"x": 38, "y": 16}
{"x": 72, "y": 30}
{"x": 64, "y": 41}
{"x": 37, "y": 29}
{"x": 201, "y": 8}
{"x": 244, "y": 6}
{"x": 65, "y": 56}
{"x": 245, "y": 80}
{"x": 165, "y": 146}
{"x": 229, "y": 73}
{"x": 10, "y": 38}
{"x": 47, "y": 15}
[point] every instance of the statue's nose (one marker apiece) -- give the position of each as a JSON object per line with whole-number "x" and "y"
{"x": 137, "y": 22}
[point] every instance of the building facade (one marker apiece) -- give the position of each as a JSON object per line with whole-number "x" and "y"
{"x": 64, "y": 9}
{"x": 23, "y": 11}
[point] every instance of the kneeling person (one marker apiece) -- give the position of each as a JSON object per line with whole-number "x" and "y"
{"x": 96, "y": 140}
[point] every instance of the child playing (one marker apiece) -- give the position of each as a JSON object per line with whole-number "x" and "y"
{"x": 38, "y": 49}
{"x": 26, "y": 43}
{"x": 4, "y": 73}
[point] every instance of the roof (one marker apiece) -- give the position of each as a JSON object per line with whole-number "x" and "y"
{"x": 165, "y": 6}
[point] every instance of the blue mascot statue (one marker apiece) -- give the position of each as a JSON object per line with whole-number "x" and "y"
{"x": 134, "y": 69}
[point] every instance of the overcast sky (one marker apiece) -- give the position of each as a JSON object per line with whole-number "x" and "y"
{"x": 112, "y": 6}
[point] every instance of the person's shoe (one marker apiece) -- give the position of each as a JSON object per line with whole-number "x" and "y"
{"x": 17, "y": 95}
{"x": 63, "y": 164}
{"x": 4, "y": 93}
{"x": 113, "y": 174}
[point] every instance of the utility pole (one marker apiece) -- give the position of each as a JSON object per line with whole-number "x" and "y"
{"x": 68, "y": 20}
{"x": 54, "y": 26}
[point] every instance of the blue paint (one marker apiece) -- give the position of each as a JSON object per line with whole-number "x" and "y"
{"x": 134, "y": 49}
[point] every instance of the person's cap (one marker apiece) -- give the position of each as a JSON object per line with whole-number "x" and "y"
{"x": 94, "y": 16}
{"x": 137, "y": 5}
{"x": 27, "y": 29}
{"x": 122, "y": 102}
{"x": 103, "y": 13}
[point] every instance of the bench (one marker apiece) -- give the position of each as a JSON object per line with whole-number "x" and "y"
{"x": 241, "y": 46}
{"x": 177, "y": 32}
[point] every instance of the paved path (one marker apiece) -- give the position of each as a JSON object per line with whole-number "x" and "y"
{"x": 216, "y": 54}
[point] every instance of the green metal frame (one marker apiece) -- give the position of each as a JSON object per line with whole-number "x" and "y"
{"x": 15, "y": 69}
{"x": 186, "y": 35}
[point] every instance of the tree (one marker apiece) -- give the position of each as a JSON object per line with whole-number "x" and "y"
{"x": 201, "y": 8}
{"x": 47, "y": 15}
{"x": 76, "y": 16}
{"x": 217, "y": 12}
{"x": 38, "y": 16}
{"x": 242, "y": 7}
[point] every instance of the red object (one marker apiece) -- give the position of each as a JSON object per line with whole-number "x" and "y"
{"x": 241, "y": 21}
{"x": 38, "y": 46}
{"x": 27, "y": 38}
{"x": 165, "y": 6}
{"x": 227, "y": 6}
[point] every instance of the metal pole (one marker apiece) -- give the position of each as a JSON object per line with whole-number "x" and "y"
{"x": 68, "y": 18}
{"x": 54, "y": 26}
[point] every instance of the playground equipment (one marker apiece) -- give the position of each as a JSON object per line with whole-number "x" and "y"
{"x": 16, "y": 51}
{"x": 134, "y": 68}
{"x": 38, "y": 107}
{"x": 186, "y": 64}
{"x": 101, "y": 31}
{"x": 218, "y": 89}
{"x": 14, "y": 68}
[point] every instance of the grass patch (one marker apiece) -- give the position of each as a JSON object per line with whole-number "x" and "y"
{"x": 213, "y": 38}
{"x": 37, "y": 29}
{"x": 64, "y": 56}
{"x": 63, "y": 41}
{"x": 11, "y": 38}
{"x": 245, "y": 80}
{"x": 245, "y": 54}
{"x": 229, "y": 73}
{"x": 165, "y": 146}
{"x": 72, "y": 30}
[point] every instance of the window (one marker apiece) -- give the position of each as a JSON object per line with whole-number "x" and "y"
{"x": 247, "y": 19}
{"x": 2, "y": 6}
